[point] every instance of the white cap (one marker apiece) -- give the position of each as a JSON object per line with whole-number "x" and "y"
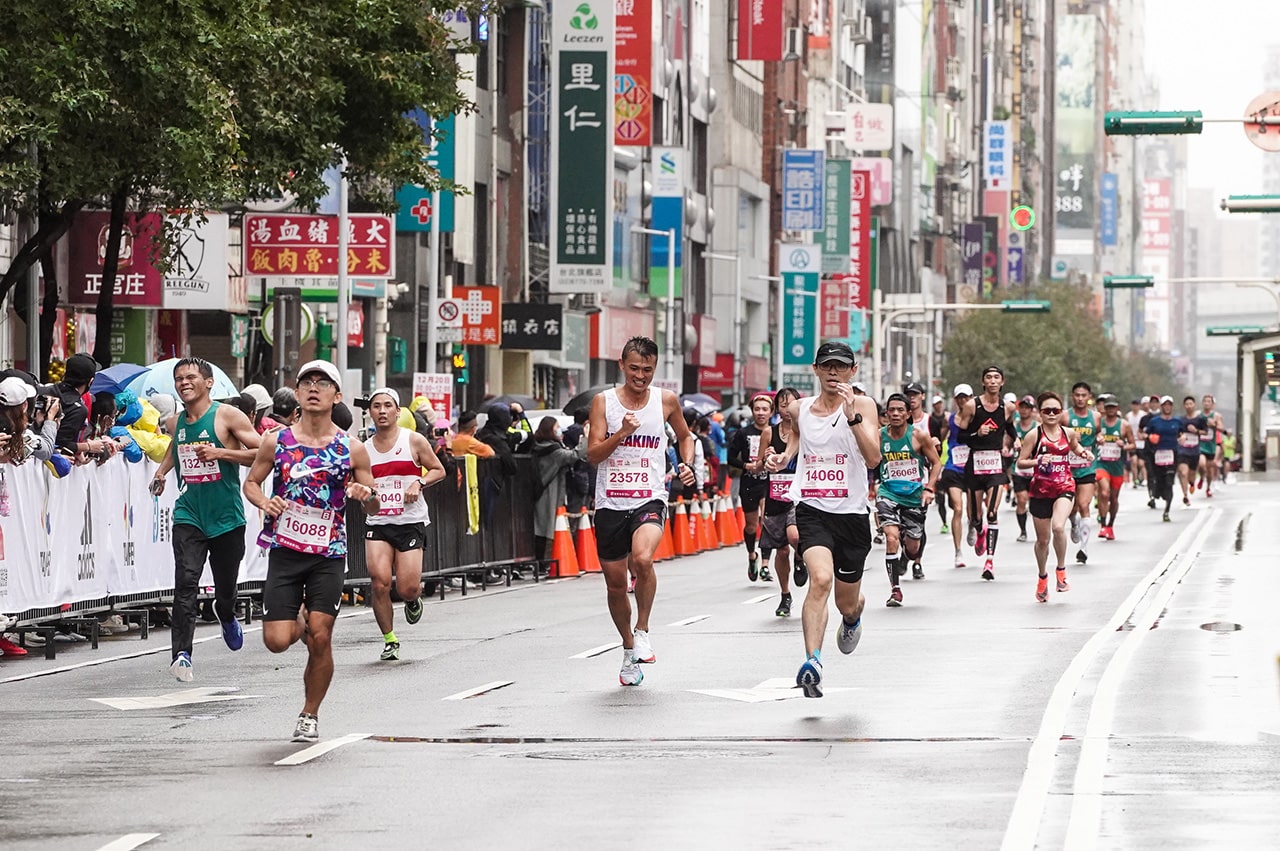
{"x": 1164, "y": 399}
{"x": 937, "y": 399}
{"x": 1010, "y": 397}
{"x": 323, "y": 366}
{"x": 261, "y": 398}
{"x": 15, "y": 391}
{"x": 962, "y": 390}
{"x": 387, "y": 391}
{"x": 860, "y": 387}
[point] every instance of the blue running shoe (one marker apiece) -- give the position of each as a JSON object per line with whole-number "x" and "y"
{"x": 810, "y": 677}
{"x": 231, "y": 632}
{"x": 848, "y": 636}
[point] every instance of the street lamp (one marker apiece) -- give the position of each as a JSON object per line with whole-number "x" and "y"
{"x": 669, "y": 370}
{"x": 737, "y": 322}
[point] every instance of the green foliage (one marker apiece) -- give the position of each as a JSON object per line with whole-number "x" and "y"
{"x": 1050, "y": 351}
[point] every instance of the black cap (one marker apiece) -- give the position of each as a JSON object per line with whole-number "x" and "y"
{"x": 80, "y": 369}
{"x": 994, "y": 368}
{"x": 834, "y": 352}
{"x": 913, "y": 387}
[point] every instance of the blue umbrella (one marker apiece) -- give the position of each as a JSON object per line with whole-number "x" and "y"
{"x": 159, "y": 379}
{"x": 116, "y": 378}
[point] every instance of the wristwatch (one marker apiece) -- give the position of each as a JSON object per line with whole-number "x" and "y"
{"x": 857, "y": 418}
{"x": 422, "y": 481}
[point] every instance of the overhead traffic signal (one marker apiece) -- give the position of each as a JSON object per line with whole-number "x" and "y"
{"x": 1153, "y": 123}
{"x": 1128, "y": 282}
{"x": 1251, "y": 204}
{"x": 1026, "y": 306}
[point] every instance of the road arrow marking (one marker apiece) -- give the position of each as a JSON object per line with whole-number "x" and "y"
{"x": 596, "y": 651}
{"x": 479, "y": 690}
{"x": 759, "y": 599}
{"x": 176, "y": 698}
{"x": 308, "y": 754}
{"x": 129, "y": 841}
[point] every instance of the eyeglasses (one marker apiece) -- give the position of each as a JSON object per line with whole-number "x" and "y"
{"x": 1050, "y": 411}
{"x": 834, "y": 366}
{"x": 318, "y": 383}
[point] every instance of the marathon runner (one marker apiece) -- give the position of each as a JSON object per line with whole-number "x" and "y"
{"x": 1115, "y": 438}
{"x": 917, "y": 416}
{"x": 938, "y": 431}
{"x": 1137, "y": 455}
{"x": 315, "y": 469}
{"x": 211, "y": 442}
{"x": 908, "y": 476}
{"x": 1194, "y": 424}
{"x": 1210, "y": 444}
{"x": 1022, "y": 475}
{"x": 838, "y": 440}
{"x": 745, "y": 453}
{"x": 778, "y": 531}
{"x": 396, "y": 534}
{"x": 1161, "y": 433}
{"x": 1046, "y": 452}
{"x": 1148, "y": 460}
{"x": 986, "y": 421}
{"x": 1084, "y": 422}
{"x": 627, "y": 443}
{"x": 952, "y": 480}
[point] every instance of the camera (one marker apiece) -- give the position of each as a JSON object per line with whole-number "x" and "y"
{"x": 440, "y": 432}
{"x": 361, "y": 402}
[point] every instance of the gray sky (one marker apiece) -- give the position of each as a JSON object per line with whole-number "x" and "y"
{"x": 1208, "y": 56}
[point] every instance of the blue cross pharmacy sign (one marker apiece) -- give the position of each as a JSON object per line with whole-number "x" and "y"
{"x": 414, "y": 214}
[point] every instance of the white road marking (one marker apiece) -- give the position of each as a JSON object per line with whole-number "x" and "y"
{"x": 320, "y": 749}
{"x": 759, "y": 599}
{"x": 1024, "y": 821}
{"x": 175, "y": 698}
{"x": 779, "y": 688}
{"x": 479, "y": 690}
{"x": 1087, "y": 791}
{"x": 596, "y": 651}
{"x": 688, "y": 621}
{"x": 128, "y": 842}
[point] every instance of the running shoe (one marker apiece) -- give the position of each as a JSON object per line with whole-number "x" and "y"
{"x": 1022, "y": 537}
{"x": 1042, "y": 590}
{"x": 959, "y": 561}
{"x": 1151, "y": 503}
{"x": 944, "y": 530}
{"x": 989, "y": 570}
{"x": 809, "y": 677}
{"x": 1075, "y": 529}
{"x": 972, "y": 537}
{"x": 879, "y": 538}
{"x": 631, "y": 585}
{"x": 630, "y": 675}
{"x": 307, "y": 730}
{"x": 784, "y": 608}
{"x": 232, "y": 633}
{"x": 390, "y": 651}
{"x": 765, "y": 575}
{"x": 1200, "y": 483}
{"x": 413, "y": 610}
{"x": 181, "y": 667}
{"x": 1209, "y": 494}
{"x": 1062, "y": 581}
{"x": 1165, "y": 518}
{"x": 8, "y": 648}
{"x": 643, "y": 649}
{"x": 848, "y": 635}
{"x": 895, "y": 598}
{"x": 1186, "y": 500}
{"x": 799, "y": 573}
{"x": 1081, "y": 557}
{"x": 981, "y": 546}
{"x": 753, "y": 567}
{"x": 917, "y": 570}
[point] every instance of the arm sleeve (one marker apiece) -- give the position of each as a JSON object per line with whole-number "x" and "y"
{"x": 737, "y": 449}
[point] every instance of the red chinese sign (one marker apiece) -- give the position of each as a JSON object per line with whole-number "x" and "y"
{"x": 860, "y": 240}
{"x": 481, "y": 315}
{"x": 138, "y": 282}
{"x": 306, "y": 246}
{"x": 760, "y": 30}
{"x": 633, "y": 72}
{"x": 1157, "y": 213}
{"x": 833, "y": 309}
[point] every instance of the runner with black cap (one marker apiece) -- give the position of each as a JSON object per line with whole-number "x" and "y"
{"x": 396, "y": 534}
{"x": 986, "y": 421}
{"x": 838, "y": 441}
{"x": 747, "y": 452}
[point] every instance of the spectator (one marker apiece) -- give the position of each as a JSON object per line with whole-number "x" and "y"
{"x": 496, "y": 433}
{"x": 465, "y": 443}
{"x": 579, "y": 481}
{"x": 521, "y": 430}
{"x": 148, "y": 432}
{"x": 703, "y": 435}
{"x": 75, "y": 413}
{"x": 285, "y": 407}
{"x": 441, "y": 439}
{"x": 259, "y": 413}
{"x": 551, "y": 459}
{"x": 102, "y": 426}
{"x": 166, "y": 406}
{"x": 342, "y": 416}
{"x": 721, "y": 443}
{"x": 14, "y": 447}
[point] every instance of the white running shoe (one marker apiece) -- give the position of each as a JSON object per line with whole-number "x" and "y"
{"x": 630, "y": 675}
{"x": 847, "y": 637}
{"x": 644, "y": 650}
{"x": 307, "y": 730}
{"x": 181, "y": 668}
{"x": 1075, "y": 529}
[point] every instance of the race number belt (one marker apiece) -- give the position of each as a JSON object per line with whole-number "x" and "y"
{"x": 194, "y": 470}
{"x": 305, "y": 528}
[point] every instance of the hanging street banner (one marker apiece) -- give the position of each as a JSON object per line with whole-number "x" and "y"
{"x": 834, "y": 236}
{"x": 633, "y": 73}
{"x": 802, "y": 177}
{"x": 760, "y": 29}
{"x": 582, "y": 146}
{"x": 860, "y": 240}
{"x": 526, "y": 325}
{"x": 997, "y": 155}
{"x": 306, "y": 246}
{"x": 415, "y": 211}
{"x": 869, "y": 127}
{"x": 971, "y": 260}
{"x": 1109, "y": 207}
{"x": 667, "y": 214}
{"x": 799, "y": 265}
{"x": 833, "y": 310}
{"x": 881, "y": 169}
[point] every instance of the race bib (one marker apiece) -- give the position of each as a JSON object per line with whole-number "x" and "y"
{"x": 780, "y": 486}
{"x": 1187, "y": 440}
{"x": 959, "y": 455}
{"x": 1051, "y": 465}
{"x": 753, "y": 448}
{"x": 1164, "y": 458}
{"x": 195, "y": 471}
{"x": 629, "y": 478}
{"x": 825, "y": 477}
{"x": 305, "y": 528}
{"x": 390, "y": 490}
{"x": 1110, "y": 452}
{"x": 1077, "y": 463}
{"x": 902, "y": 470}
{"x": 987, "y": 463}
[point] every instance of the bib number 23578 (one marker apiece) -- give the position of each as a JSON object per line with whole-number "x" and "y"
{"x": 305, "y": 528}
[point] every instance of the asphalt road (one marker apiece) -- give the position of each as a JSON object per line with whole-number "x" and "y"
{"x": 972, "y": 717}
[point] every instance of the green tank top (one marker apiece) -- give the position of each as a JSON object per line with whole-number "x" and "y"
{"x": 1085, "y": 429}
{"x": 901, "y": 470}
{"x": 210, "y": 496}
{"x": 1109, "y": 436}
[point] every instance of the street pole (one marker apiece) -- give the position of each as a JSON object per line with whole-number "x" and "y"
{"x": 877, "y": 335}
{"x": 778, "y": 331}
{"x": 433, "y": 289}
{"x": 33, "y": 283}
{"x": 671, "y": 306}
{"x": 344, "y": 292}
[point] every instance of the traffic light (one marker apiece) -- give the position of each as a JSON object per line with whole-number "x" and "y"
{"x": 324, "y": 341}
{"x": 460, "y": 372}
{"x": 1153, "y": 123}
{"x": 1128, "y": 282}
{"x": 1026, "y": 306}
{"x": 1022, "y": 217}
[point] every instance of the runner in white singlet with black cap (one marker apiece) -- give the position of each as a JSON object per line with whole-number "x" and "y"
{"x": 627, "y": 443}
{"x": 838, "y": 439}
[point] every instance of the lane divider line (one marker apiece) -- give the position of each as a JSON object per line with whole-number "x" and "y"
{"x": 320, "y": 749}
{"x": 128, "y": 842}
{"x": 688, "y": 621}
{"x": 1033, "y": 792}
{"x": 759, "y": 599}
{"x": 1086, "y": 792}
{"x": 479, "y": 690}
{"x": 597, "y": 651}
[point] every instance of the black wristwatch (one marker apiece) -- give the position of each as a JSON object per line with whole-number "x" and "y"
{"x": 857, "y": 418}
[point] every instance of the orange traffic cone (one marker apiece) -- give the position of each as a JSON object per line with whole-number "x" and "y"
{"x": 666, "y": 545}
{"x": 562, "y": 546}
{"x": 726, "y": 524}
{"x": 741, "y": 518}
{"x": 680, "y": 529}
{"x": 699, "y": 524}
{"x": 709, "y": 515}
{"x": 588, "y": 557}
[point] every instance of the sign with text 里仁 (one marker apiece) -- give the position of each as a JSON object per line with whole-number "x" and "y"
{"x": 526, "y": 325}
{"x": 802, "y": 179}
{"x": 860, "y": 240}
{"x": 437, "y": 387}
{"x": 481, "y": 315}
{"x": 633, "y": 73}
{"x": 799, "y": 265}
{"x": 760, "y": 29}
{"x": 415, "y": 212}
{"x": 997, "y": 154}
{"x": 139, "y": 283}
{"x": 869, "y": 127}
{"x": 298, "y": 245}
{"x": 582, "y": 133}
{"x": 834, "y": 236}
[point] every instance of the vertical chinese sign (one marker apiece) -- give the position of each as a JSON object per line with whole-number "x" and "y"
{"x": 802, "y": 180}
{"x": 632, "y": 73}
{"x": 799, "y": 266}
{"x": 997, "y": 155}
{"x": 760, "y": 29}
{"x": 971, "y": 260}
{"x": 414, "y": 201}
{"x": 582, "y": 146}
{"x": 667, "y": 214}
{"x": 834, "y": 236}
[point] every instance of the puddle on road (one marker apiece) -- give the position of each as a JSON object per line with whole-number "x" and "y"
{"x": 1221, "y": 626}
{"x": 1241, "y": 527}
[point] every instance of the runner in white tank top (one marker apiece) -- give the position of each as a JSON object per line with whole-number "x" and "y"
{"x": 396, "y": 533}
{"x": 627, "y": 442}
{"x": 839, "y": 437}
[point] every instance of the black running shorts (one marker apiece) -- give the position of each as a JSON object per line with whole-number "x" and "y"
{"x": 751, "y": 491}
{"x": 847, "y": 536}
{"x": 614, "y": 528}
{"x": 403, "y": 536}
{"x": 1042, "y": 507}
{"x": 295, "y": 578}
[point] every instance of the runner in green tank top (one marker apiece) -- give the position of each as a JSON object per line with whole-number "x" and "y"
{"x": 1083, "y": 420}
{"x": 1028, "y": 418}
{"x": 1114, "y": 438}
{"x": 210, "y": 443}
